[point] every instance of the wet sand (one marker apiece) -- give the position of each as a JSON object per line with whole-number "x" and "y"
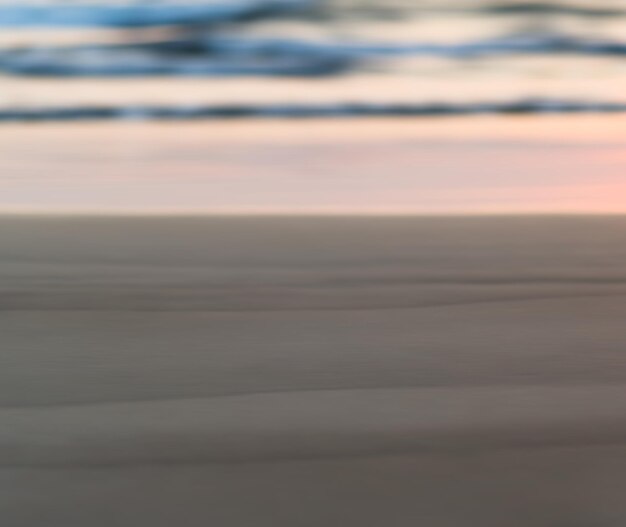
{"x": 269, "y": 371}
{"x": 477, "y": 165}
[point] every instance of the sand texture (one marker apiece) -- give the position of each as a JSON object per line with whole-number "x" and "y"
{"x": 270, "y": 372}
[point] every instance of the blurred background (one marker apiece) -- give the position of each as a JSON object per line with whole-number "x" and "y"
{"x": 68, "y": 59}
{"x": 312, "y": 106}
{"x": 177, "y": 348}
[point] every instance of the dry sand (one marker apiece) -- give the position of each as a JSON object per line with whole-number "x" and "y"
{"x": 312, "y": 371}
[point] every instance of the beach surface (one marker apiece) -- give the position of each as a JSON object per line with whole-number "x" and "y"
{"x": 488, "y": 164}
{"x": 305, "y": 371}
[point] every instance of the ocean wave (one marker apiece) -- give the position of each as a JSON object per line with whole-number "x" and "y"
{"x": 517, "y": 43}
{"x": 137, "y": 14}
{"x": 300, "y": 111}
{"x": 169, "y": 59}
{"x": 134, "y": 15}
{"x": 548, "y": 8}
{"x": 207, "y": 55}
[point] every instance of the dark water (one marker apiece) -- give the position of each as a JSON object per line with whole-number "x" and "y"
{"x": 512, "y": 57}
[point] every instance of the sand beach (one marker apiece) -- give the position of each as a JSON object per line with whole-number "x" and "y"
{"x": 306, "y": 371}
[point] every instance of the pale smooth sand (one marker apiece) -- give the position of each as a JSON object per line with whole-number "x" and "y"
{"x": 312, "y": 371}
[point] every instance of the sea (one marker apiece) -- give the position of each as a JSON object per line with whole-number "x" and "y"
{"x": 247, "y": 59}
{"x": 313, "y": 107}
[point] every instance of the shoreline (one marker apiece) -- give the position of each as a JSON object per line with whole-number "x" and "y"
{"x": 483, "y": 165}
